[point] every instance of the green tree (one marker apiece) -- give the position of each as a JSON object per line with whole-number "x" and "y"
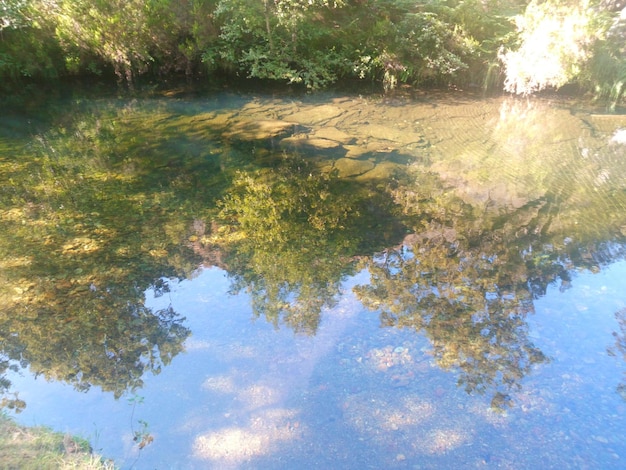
{"x": 103, "y": 29}
{"x": 566, "y": 41}
{"x": 277, "y": 40}
{"x": 14, "y": 14}
{"x": 27, "y": 48}
{"x": 605, "y": 74}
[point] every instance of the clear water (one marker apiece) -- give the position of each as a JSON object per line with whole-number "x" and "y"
{"x": 406, "y": 282}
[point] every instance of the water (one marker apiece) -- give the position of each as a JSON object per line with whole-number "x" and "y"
{"x": 234, "y": 280}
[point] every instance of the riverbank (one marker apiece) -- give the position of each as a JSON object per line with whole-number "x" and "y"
{"x": 42, "y": 448}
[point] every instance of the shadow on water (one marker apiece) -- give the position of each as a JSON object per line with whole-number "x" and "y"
{"x": 463, "y": 212}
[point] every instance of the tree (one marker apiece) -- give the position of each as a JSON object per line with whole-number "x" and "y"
{"x": 277, "y": 40}
{"x": 14, "y": 15}
{"x": 27, "y": 47}
{"x": 557, "y": 40}
{"x": 102, "y": 29}
{"x": 606, "y": 71}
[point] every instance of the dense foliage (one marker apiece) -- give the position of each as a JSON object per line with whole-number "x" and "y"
{"x": 525, "y": 46}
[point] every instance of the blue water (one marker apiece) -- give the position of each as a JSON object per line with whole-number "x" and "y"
{"x": 518, "y": 235}
{"x": 245, "y": 395}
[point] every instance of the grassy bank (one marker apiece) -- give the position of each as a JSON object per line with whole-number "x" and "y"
{"x": 38, "y": 448}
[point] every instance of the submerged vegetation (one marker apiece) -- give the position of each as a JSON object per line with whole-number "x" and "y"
{"x": 521, "y": 45}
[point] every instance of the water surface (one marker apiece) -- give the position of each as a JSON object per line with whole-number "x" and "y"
{"x": 239, "y": 280}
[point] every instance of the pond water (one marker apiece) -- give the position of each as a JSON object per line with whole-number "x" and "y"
{"x": 247, "y": 280}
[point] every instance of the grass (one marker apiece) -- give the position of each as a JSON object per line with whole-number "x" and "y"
{"x": 38, "y": 448}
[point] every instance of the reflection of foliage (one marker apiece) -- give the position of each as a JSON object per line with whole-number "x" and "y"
{"x": 467, "y": 287}
{"x": 87, "y": 227}
{"x": 292, "y": 234}
{"x": 105, "y": 342}
{"x": 468, "y": 277}
{"x": 9, "y": 400}
{"x": 100, "y": 209}
{"x": 141, "y": 436}
{"x": 474, "y": 324}
{"x": 480, "y": 254}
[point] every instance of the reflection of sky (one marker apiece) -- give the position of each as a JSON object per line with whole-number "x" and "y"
{"x": 246, "y": 395}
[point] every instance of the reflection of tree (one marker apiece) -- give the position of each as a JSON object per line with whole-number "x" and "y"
{"x": 87, "y": 226}
{"x": 99, "y": 210}
{"x": 292, "y": 235}
{"x": 465, "y": 280}
{"x": 9, "y": 399}
{"x": 449, "y": 292}
{"x": 103, "y": 339}
{"x": 534, "y": 199}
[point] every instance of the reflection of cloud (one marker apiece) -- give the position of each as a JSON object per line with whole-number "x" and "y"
{"x": 371, "y": 416}
{"x": 440, "y": 441}
{"x": 258, "y": 396}
{"x": 192, "y": 344}
{"x": 241, "y": 351}
{"x": 411, "y": 412}
{"x": 234, "y": 351}
{"x": 220, "y": 384}
{"x": 426, "y": 428}
{"x": 418, "y": 408}
{"x": 235, "y": 445}
{"x": 488, "y": 414}
{"x": 230, "y": 444}
{"x": 248, "y": 397}
{"x": 248, "y": 418}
